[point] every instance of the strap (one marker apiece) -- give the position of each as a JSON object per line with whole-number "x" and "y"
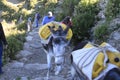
{"x": 79, "y": 72}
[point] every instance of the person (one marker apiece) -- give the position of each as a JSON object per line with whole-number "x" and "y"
{"x": 36, "y": 20}
{"x": 29, "y": 24}
{"x": 48, "y": 18}
{"x": 67, "y": 21}
{"x": 2, "y": 42}
{"x": 20, "y": 19}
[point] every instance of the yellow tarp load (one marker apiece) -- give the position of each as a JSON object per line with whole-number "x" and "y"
{"x": 92, "y": 59}
{"x": 44, "y": 31}
{"x": 99, "y": 62}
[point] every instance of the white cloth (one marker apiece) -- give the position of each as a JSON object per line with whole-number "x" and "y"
{"x": 109, "y": 67}
{"x": 85, "y": 58}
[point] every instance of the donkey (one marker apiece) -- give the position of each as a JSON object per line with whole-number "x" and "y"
{"x": 85, "y": 56}
{"x": 55, "y": 48}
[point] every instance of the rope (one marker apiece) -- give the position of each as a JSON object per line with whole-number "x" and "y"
{"x": 88, "y": 55}
{"x": 79, "y": 72}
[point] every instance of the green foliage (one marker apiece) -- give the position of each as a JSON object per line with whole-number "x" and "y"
{"x": 10, "y": 12}
{"x": 31, "y": 3}
{"x": 52, "y": 1}
{"x": 68, "y": 6}
{"x": 60, "y": 17}
{"x": 15, "y": 34}
{"x": 101, "y": 32}
{"x": 14, "y": 46}
{"x": 15, "y": 40}
{"x": 15, "y": 43}
{"x": 8, "y": 7}
{"x": 50, "y": 7}
{"x": 113, "y": 9}
{"x": 18, "y": 78}
{"x": 10, "y": 17}
{"x": 22, "y": 26}
{"x": 84, "y": 20}
{"x": 44, "y": 6}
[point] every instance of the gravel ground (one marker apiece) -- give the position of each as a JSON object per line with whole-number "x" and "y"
{"x": 31, "y": 63}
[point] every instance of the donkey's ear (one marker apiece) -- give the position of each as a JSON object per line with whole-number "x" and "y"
{"x": 51, "y": 29}
{"x": 66, "y": 30}
{"x": 60, "y": 28}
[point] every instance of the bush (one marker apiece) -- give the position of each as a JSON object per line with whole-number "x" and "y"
{"x": 15, "y": 39}
{"x": 101, "y": 33}
{"x": 60, "y": 17}
{"x": 113, "y": 9}
{"x": 14, "y": 45}
{"x": 22, "y": 26}
{"x": 84, "y": 20}
{"x": 68, "y": 6}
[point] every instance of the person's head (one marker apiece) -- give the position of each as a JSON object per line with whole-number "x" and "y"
{"x": 66, "y": 20}
{"x": 50, "y": 14}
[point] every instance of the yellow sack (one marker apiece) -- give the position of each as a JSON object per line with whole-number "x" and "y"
{"x": 112, "y": 56}
{"x": 44, "y": 31}
{"x": 99, "y": 62}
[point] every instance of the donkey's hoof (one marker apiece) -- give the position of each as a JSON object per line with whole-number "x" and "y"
{"x": 57, "y": 72}
{"x": 47, "y": 78}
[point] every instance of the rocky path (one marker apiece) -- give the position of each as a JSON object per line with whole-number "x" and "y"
{"x": 31, "y": 63}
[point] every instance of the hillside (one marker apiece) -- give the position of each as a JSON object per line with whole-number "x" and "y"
{"x": 94, "y": 20}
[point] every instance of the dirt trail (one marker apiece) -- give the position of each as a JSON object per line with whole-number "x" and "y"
{"x": 31, "y": 63}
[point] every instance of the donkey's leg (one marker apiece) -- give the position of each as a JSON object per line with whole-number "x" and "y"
{"x": 73, "y": 73}
{"x": 59, "y": 63}
{"x": 49, "y": 57}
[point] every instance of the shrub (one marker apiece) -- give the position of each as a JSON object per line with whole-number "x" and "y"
{"x": 84, "y": 20}
{"x": 15, "y": 39}
{"x": 113, "y": 9}
{"x": 101, "y": 32}
{"x": 22, "y": 26}
{"x": 14, "y": 46}
{"x": 68, "y": 6}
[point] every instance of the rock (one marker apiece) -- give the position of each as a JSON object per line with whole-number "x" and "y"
{"x": 116, "y": 36}
{"x": 23, "y": 59}
{"x": 39, "y": 78}
{"x": 17, "y": 64}
{"x": 114, "y": 39}
{"x": 29, "y": 38}
{"x": 24, "y": 78}
{"x": 35, "y": 66}
{"x": 23, "y": 53}
{"x": 26, "y": 45}
{"x": 37, "y": 46}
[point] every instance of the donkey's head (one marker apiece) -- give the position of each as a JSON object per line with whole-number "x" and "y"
{"x": 59, "y": 43}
